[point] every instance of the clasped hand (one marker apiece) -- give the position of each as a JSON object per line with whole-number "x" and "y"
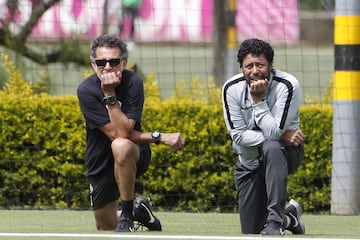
{"x": 258, "y": 88}
{"x": 173, "y": 139}
{"x": 294, "y": 137}
{"x": 109, "y": 81}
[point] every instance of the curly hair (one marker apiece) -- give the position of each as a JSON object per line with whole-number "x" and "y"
{"x": 111, "y": 41}
{"x": 256, "y": 47}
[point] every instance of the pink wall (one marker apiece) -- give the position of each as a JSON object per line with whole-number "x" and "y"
{"x": 276, "y": 21}
{"x": 161, "y": 20}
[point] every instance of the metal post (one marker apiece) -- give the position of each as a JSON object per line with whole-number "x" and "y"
{"x": 231, "y": 66}
{"x": 345, "y": 182}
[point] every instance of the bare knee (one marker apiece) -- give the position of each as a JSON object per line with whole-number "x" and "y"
{"x": 106, "y": 218}
{"x": 105, "y": 227}
{"x": 124, "y": 150}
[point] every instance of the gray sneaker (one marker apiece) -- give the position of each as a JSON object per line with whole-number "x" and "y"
{"x": 293, "y": 210}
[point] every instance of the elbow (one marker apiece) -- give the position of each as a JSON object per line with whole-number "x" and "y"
{"x": 118, "y": 134}
{"x": 237, "y": 137}
{"x": 112, "y": 132}
{"x": 121, "y": 134}
{"x": 126, "y": 135}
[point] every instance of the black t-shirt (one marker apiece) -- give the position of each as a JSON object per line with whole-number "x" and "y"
{"x": 130, "y": 92}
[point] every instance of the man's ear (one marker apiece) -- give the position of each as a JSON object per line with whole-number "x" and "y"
{"x": 93, "y": 64}
{"x": 124, "y": 63}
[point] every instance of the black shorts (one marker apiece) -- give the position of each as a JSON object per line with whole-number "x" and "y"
{"x": 104, "y": 189}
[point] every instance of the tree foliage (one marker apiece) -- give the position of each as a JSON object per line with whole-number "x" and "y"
{"x": 19, "y": 42}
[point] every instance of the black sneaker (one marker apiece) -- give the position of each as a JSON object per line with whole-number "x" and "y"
{"x": 144, "y": 216}
{"x": 273, "y": 228}
{"x": 125, "y": 224}
{"x": 293, "y": 210}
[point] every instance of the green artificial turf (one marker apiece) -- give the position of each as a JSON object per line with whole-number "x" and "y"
{"x": 173, "y": 223}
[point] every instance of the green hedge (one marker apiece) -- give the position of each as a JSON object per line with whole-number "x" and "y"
{"x": 43, "y": 143}
{"x": 42, "y": 147}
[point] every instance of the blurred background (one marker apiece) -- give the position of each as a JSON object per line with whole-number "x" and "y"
{"x": 174, "y": 44}
{"x": 175, "y": 40}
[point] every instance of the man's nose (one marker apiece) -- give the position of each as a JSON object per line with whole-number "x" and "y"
{"x": 107, "y": 66}
{"x": 254, "y": 69}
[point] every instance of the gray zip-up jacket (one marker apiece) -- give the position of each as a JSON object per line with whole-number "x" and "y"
{"x": 251, "y": 124}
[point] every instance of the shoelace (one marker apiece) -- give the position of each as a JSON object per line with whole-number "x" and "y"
{"x": 138, "y": 225}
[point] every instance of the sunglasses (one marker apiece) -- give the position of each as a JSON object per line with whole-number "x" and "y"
{"x": 113, "y": 62}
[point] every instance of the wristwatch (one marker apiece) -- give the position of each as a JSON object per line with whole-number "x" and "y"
{"x": 156, "y": 136}
{"x": 110, "y": 100}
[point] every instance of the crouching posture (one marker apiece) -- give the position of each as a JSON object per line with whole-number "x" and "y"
{"x": 117, "y": 150}
{"x": 261, "y": 112}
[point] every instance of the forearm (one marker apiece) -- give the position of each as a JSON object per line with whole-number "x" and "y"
{"x": 264, "y": 119}
{"x": 248, "y": 138}
{"x": 171, "y": 139}
{"x": 141, "y": 137}
{"x": 122, "y": 125}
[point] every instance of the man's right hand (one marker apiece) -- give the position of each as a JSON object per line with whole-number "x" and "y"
{"x": 258, "y": 88}
{"x": 109, "y": 81}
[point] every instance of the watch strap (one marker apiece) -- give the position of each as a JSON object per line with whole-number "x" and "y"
{"x": 110, "y": 100}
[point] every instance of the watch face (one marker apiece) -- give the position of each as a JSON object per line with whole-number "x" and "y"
{"x": 110, "y": 100}
{"x": 156, "y": 134}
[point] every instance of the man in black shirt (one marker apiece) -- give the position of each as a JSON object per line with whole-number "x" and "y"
{"x": 117, "y": 151}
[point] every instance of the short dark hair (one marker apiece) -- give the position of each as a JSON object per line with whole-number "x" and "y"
{"x": 111, "y": 41}
{"x": 257, "y": 47}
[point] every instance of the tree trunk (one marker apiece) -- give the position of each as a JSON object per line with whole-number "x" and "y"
{"x": 220, "y": 40}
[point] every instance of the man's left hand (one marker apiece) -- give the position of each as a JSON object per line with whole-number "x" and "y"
{"x": 294, "y": 137}
{"x": 173, "y": 139}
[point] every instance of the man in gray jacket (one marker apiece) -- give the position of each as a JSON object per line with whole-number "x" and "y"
{"x": 261, "y": 112}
